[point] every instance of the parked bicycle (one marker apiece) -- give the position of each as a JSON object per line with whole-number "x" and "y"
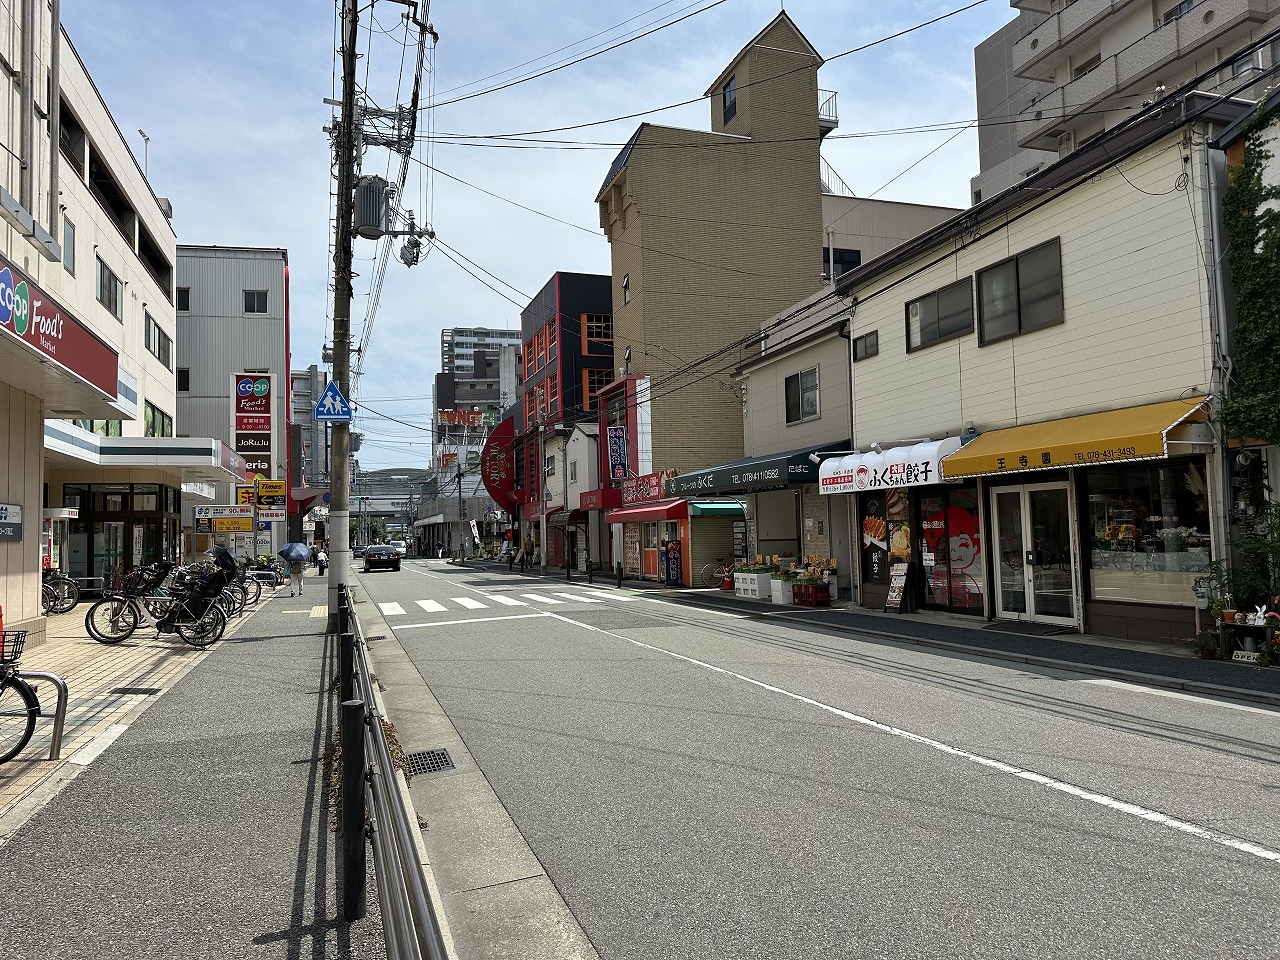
{"x": 19, "y": 705}
{"x": 713, "y": 574}
{"x": 65, "y": 591}
{"x": 188, "y": 607}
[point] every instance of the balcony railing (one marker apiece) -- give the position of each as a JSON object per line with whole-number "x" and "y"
{"x": 1126, "y": 70}
{"x": 828, "y": 118}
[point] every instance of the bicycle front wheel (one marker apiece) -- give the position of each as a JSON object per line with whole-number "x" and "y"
{"x": 252, "y": 591}
{"x": 712, "y": 575}
{"x": 206, "y": 630}
{"x": 111, "y": 620}
{"x": 18, "y": 709}
{"x": 67, "y": 595}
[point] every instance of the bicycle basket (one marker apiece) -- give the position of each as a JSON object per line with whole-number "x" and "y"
{"x": 11, "y": 644}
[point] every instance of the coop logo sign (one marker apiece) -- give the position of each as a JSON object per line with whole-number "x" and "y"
{"x": 249, "y": 387}
{"x": 15, "y": 305}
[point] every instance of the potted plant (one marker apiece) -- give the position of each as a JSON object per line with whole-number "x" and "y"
{"x": 1205, "y": 643}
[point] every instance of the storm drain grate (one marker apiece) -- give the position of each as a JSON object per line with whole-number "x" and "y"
{"x": 430, "y": 761}
{"x": 375, "y": 636}
{"x": 140, "y": 691}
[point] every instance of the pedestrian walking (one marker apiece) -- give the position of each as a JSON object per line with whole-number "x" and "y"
{"x": 295, "y": 576}
{"x": 322, "y": 561}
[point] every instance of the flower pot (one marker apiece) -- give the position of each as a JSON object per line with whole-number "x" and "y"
{"x": 1228, "y": 616}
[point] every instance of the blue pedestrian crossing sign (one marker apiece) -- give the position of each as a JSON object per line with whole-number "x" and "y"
{"x": 333, "y": 406}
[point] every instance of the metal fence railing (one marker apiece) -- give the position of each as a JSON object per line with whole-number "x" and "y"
{"x": 374, "y": 809}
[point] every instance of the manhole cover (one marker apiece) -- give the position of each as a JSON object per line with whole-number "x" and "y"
{"x": 141, "y": 691}
{"x": 430, "y": 761}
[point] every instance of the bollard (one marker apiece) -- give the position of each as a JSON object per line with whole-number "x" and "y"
{"x": 591, "y": 572}
{"x": 346, "y": 666}
{"x": 353, "y": 858}
{"x": 619, "y": 574}
{"x": 568, "y": 572}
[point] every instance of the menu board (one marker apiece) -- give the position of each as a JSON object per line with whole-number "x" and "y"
{"x": 739, "y": 539}
{"x": 875, "y": 551}
{"x": 897, "y": 586}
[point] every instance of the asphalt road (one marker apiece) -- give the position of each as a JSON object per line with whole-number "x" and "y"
{"x": 697, "y": 784}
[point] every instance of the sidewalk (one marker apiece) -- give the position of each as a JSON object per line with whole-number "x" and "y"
{"x": 1155, "y": 664}
{"x": 201, "y": 832}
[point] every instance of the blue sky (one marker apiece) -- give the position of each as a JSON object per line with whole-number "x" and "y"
{"x": 232, "y": 95}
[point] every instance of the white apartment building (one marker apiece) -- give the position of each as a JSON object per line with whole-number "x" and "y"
{"x": 96, "y": 477}
{"x": 1070, "y": 69}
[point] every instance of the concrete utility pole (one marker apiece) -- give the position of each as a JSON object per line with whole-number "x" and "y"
{"x": 339, "y": 465}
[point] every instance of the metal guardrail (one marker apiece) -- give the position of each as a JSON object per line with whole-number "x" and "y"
{"x": 410, "y": 928}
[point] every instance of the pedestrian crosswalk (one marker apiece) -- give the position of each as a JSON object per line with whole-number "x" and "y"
{"x": 483, "y": 601}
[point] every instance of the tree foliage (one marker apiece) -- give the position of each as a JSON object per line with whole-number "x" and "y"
{"x": 1252, "y": 219}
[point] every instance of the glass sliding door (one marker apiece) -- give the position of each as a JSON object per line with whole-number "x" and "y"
{"x": 1034, "y": 576}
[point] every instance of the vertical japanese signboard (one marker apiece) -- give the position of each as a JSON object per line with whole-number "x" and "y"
{"x": 617, "y": 453}
{"x": 252, "y": 420}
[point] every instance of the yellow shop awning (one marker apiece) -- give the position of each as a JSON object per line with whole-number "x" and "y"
{"x": 1134, "y": 433}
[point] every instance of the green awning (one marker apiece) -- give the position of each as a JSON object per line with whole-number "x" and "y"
{"x": 697, "y": 509}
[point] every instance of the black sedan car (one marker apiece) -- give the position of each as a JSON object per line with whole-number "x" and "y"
{"x": 381, "y": 557}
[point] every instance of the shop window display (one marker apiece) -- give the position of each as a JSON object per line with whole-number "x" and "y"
{"x": 1148, "y": 531}
{"x": 952, "y": 551}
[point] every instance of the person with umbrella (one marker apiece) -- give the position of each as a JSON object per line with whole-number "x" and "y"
{"x": 296, "y": 554}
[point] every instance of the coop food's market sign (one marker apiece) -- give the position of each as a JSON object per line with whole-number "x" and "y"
{"x": 253, "y": 420}
{"x": 32, "y": 316}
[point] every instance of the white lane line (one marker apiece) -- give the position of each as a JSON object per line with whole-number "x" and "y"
{"x": 451, "y": 623}
{"x": 94, "y": 748}
{"x": 541, "y": 599}
{"x": 506, "y": 601}
{"x": 391, "y": 609}
{"x": 431, "y": 606}
{"x": 580, "y": 598}
{"x": 1080, "y": 793}
{"x": 469, "y": 603}
{"x": 1178, "y": 695}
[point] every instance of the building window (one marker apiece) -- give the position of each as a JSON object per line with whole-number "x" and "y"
{"x": 599, "y": 326}
{"x": 867, "y": 345}
{"x": 1021, "y": 294}
{"x": 159, "y": 343}
{"x": 69, "y": 246}
{"x": 184, "y": 380}
{"x": 730, "y": 93}
{"x": 156, "y": 422}
{"x": 802, "y": 395}
{"x": 626, "y": 288}
{"x": 846, "y": 260}
{"x": 255, "y": 301}
{"x": 552, "y": 394}
{"x": 1177, "y": 10}
{"x": 110, "y": 291}
{"x": 551, "y": 336}
{"x": 597, "y": 380}
{"x": 184, "y": 299}
{"x": 941, "y": 315}
{"x": 551, "y": 466}
{"x": 1085, "y": 66}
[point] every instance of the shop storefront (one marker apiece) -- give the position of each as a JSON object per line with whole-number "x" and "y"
{"x": 1101, "y": 522}
{"x": 780, "y": 511}
{"x": 119, "y": 526}
{"x": 907, "y": 516}
{"x": 595, "y": 503}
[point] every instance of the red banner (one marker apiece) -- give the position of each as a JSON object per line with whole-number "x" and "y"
{"x": 498, "y": 465}
{"x": 28, "y": 313}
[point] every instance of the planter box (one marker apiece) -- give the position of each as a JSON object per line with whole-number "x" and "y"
{"x": 780, "y": 591}
{"x": 754, "y": 586}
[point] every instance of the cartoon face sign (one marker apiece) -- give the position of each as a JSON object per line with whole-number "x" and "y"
{"x": 964, "y": 544}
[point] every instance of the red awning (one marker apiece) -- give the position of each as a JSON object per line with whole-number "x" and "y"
{"x": 654, "y": 510}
